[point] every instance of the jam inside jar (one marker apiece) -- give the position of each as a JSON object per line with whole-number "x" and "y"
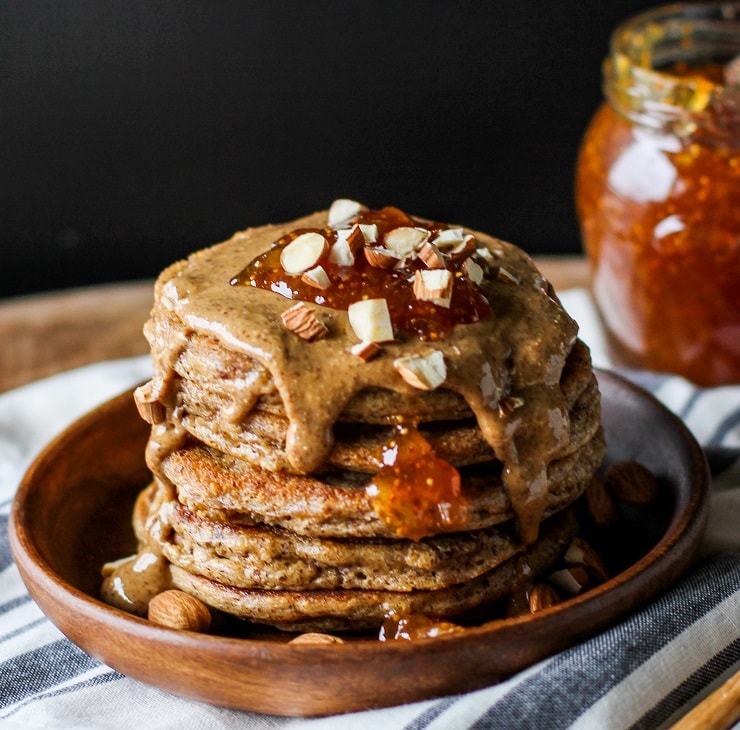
{"x": 658, "y": 193}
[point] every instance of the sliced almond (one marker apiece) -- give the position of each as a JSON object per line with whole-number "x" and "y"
{"x": 432, "y": 256}
{"x": 316, "y": 277}
{"x": 342, "y": 211}
{"x": 365, "y": 350}
{"x": 473, "y": 271}
{"x": 303, "y": 322}
{"x": 147, "y": 399}
{"x": 425, "y": 372}
{"x": 405, "y": 240}
{"x": 434, "y": 285}
{"x": 303, "y": 252}
{"x": 380, "y": 258}
{"x": 370, "y": 320}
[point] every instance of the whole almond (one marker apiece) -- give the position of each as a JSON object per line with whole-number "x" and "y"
{"x": 600, "y": 503}
{"x": 315, "y": 639}
{"x": 632, "y": 483}
{"x": 179, "y": 610}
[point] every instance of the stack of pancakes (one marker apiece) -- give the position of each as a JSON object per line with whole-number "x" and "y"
{"x": 263, "y": 446}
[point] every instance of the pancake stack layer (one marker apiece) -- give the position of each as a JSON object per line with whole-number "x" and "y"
{"x": 324, "y": 480}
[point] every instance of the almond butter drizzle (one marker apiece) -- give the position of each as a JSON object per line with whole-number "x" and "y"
{"x": 517, "y": 350}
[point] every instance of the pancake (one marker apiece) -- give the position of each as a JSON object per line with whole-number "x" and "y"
{"x": 338, "y": 610}
{"x": 220, "y": 486}
{"x": 277, "y": 559}
{"x": 260, "y": 436}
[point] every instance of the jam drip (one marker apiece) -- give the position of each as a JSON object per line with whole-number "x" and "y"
{"x": 415, "y": 492}
{"x": 361, "y": 280}
{"x": 410, "y": 627}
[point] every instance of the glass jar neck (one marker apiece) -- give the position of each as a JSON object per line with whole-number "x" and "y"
{"x": 642, "y": 80}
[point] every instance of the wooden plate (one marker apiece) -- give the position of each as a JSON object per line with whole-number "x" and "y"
{"x": 72, "y": 513}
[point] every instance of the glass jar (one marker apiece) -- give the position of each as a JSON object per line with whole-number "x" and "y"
{"x": 658, "y": 192}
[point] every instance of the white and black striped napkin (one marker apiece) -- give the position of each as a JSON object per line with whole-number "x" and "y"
{"x": 643, "y": 673}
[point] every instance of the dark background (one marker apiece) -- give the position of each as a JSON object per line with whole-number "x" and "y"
{"x": 132, "y": 133}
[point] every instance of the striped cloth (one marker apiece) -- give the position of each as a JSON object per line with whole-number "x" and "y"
{"x": 643, "y": 673}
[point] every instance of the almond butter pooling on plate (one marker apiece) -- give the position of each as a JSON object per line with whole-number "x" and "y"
{"x": 359, "y": 417}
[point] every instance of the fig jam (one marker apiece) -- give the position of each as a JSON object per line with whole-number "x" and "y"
{"x": 361, "y": 280}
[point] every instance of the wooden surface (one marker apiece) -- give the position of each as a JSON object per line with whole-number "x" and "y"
{"x": 49, "y": 333}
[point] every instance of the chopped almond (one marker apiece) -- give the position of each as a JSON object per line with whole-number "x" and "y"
{"x": 148, "y": 403}
{"x": 434, "y": 285}
{"x": 463, "y": 249}
{"x": 366, "y": 350}
{"x": 303, "y": 322}
{"x": 355, "y": 239}
{"x": 341, "y": 253}
{"x": 431, "y": 256}
{"x": 343, "y": 210}
{"x": 425, "y": 372}
{"x": 371, "y": 320}
{"x": 303, "y": 253}
{"x": 473, "y": 271}
{"x": 380, "y": 257}
{"x": 370, "y": 231}
{"x": 316, "y": 277}
{"x": 405, "y": 240}
{"x": 448, "y": 238}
